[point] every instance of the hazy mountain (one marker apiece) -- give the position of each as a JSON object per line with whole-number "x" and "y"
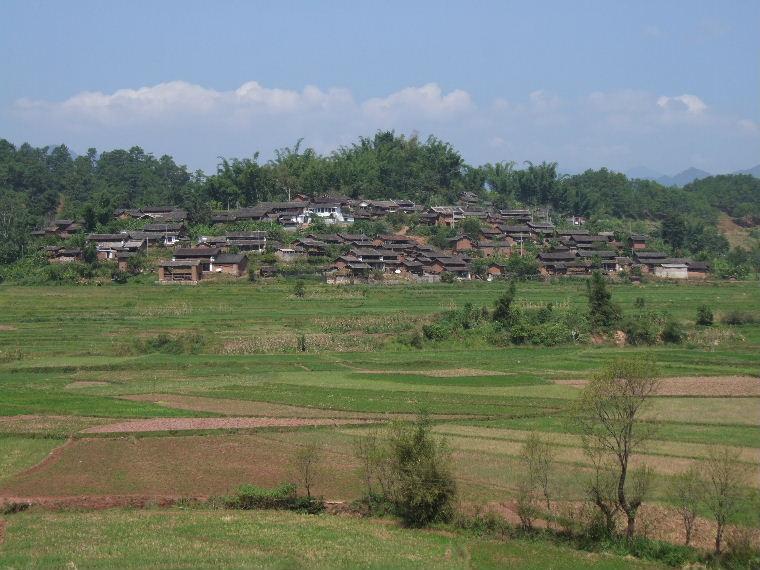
{"x": 684, "y": 177}
{"x": 644, "y": 173}
{"x": 754, "y": 171}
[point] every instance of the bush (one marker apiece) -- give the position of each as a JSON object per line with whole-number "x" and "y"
{"x": 423, "y": 489}
{"x": 704, "y": 316}
{"x": 283, "y": 497}
{"x": 673, "y": 333}
{"x": 299, "y": 289}
{"x": 447, "y": 277}
{"x": 739, "y": 318}
{"x": 168, "y": 344}
{"x": 437, "y": 331}
{"x": 640, "y": 330}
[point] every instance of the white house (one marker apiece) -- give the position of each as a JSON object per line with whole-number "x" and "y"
{"x": 330, "y": 212}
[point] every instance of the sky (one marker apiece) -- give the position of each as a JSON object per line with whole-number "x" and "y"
{"x": 665, "y": 84}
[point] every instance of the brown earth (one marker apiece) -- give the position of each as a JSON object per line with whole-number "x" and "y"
{"x": 443, "y": 373}
{"x": 178, "y": 424}
{"x": 32, "y": 423}
{"x": 696, "y": 385}
{"x": 7, "y": 328}
{"x": 231, "y": 407}
{"x": 176, "y": 466}
{"x": 86, "y": 384}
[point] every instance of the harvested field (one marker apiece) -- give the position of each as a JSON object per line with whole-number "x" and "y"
{"x": 176, "y": 466}
{"x": 231, "y": 407}
{"x": 179, "y": 424}
{"x": 52, "y": 425}
{"x": 736, "y": 386}
{"x": 85, "y": 384}
{"x": 443, "y": 373}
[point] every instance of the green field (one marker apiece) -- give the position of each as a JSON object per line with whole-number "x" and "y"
{"x": 75, "y": 358}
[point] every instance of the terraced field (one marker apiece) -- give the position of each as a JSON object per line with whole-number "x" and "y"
{"x": 217, "y": 392}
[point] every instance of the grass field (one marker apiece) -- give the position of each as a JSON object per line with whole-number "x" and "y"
{"x": 72, "y": 358}
{"x": 205, "y": 539}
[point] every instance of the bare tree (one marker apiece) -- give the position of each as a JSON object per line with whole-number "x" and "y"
{"x": 306, "y": 463}
{"x": 608, "y": 414}
{"x": 372, "y": 453}
{"x": 724, "y": 479}
{"x": 535, "y": 483}
{"x": 602, "y": 490}
{"x": 686, "y": 493}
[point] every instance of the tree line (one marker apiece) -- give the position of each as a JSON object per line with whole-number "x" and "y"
{"x": 37, "y": 184}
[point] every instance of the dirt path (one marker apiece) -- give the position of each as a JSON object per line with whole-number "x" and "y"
{"x": 178, "y": 424}
{"x": 736, "y": 386}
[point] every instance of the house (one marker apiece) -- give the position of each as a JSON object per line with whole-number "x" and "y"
{"x": 212, "y": 241}
{"x": 675, "y": 270}
{"x": 206, "y": 256}
{"x": 289, "y": 254}
{"x": 331, "y": 211}
{"x": 166, "y": 233}
{"x": 180, "y": 271}
{"x": 108, "y": 245}
{"x": 231, "y": 263}
{"x": 462, "y": 243}
{"x": 255, "y": 241}
{"x": 447, "y": 215}
{"x": 59, "y": 228}
{"x": 648, "y": 260}
{"x": 516, "y": 216}
{"x": 637, "y": 242}
{"x": 122, "y": 259}
{"x": 58, "y": 254}
{"x": 489, "y": 247}
{"x": 496, "y": 270}
{"x": 697, "y": 269}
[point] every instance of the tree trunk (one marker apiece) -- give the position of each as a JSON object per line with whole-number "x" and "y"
{"x": 631, "y": 516}
{"x": 718, "y": 538}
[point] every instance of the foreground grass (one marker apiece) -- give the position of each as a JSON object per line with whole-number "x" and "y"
{"x": 205, "y": 539}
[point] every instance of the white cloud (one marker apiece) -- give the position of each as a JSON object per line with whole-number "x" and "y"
{"x": 690, "y": 103}
{"x": 617, "y": 128}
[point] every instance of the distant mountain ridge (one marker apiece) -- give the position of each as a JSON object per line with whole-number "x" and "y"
{"x": 682, "y": 178}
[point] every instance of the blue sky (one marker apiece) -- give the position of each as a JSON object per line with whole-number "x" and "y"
{"x": 665, "y": 84}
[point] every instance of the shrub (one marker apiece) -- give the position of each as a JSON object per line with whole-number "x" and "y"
{"x": 447, "y": 277}
{"x": 704, "y": 316}
{"x": 283, "y": 497}
{"x": 423, "y": 489}
{"x": 739, "y": 318}
{"x": 437, "y": 331}
{"x": 640, "y": 330}
{"x": 673, "y": 333}
{"x": 603, "y": 313}
{"x": 299, "y": 289}
{"x": 168, "y": 344}
{"x": 416, "y": 340}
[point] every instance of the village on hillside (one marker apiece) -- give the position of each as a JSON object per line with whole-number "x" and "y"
{"x": 478, "y": 243}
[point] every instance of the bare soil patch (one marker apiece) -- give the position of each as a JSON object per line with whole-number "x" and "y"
{"x": 31, "y": 423}
{"x": 190, "y": 466}
{"x": 696, "y": 386}
{"x": 86, "y": 383}
{"x": 443, "y": 373}
{"x": 232, "y": 407}
{"x": 179, "y": 424}
{"x": 7, "y": 328}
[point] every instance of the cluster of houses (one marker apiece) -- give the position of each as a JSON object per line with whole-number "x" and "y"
{"x": 501, "y": 234}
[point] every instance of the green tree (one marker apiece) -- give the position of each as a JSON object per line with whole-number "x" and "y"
{"x": 603, "y": 313}
{"x": 503, "y": 312}
{"x": 423, "y": 489}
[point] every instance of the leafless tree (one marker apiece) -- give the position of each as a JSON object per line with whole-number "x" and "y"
{"x": 306, "y": 463}
{"x": 725, "y": 477}
{"x": 535, "y": 483}
{"x": 686, "y": 493}
{"x": 609, "y": 416}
